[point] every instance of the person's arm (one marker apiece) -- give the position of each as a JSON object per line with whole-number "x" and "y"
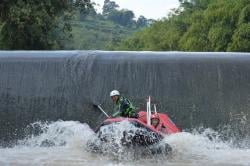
{"x": 117, "y": 110}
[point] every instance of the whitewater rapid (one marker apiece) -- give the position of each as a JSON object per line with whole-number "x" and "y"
{"x": 65, "y": 143}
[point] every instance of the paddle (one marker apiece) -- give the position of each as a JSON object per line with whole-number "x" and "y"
{"x": 100, "y": 108}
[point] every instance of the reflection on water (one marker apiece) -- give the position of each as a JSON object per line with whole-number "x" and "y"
{"x": 64, "y": 143}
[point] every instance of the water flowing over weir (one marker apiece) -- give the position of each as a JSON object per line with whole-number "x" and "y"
{"x": 195, "y": 89}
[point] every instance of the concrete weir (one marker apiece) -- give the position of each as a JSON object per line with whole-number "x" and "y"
{"x": 195, "y": 89}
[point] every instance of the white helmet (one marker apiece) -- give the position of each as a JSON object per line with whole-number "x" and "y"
{"x": 114, "y": 93}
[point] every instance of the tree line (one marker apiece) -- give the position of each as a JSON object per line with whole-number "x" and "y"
{"x": 123, "y": 17}
{"x": 197, "y": 25}
{"x": 50, "y": 24}
{"x": 37, "y": 24}
{"x": 111, "y": 12}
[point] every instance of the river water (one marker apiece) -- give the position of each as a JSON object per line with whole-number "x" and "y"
{"x": 64, "y": 143}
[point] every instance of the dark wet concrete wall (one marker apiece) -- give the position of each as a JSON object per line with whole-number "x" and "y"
{"x": 209, "y": 89}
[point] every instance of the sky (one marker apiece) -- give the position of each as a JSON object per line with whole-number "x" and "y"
{"x": 155, "y": 9}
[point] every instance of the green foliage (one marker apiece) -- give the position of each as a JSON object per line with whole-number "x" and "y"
{"x": 123, "y": 17}
{"x": 109, "y": 7}
{"x": 37, "y": 24}
{"x": 1, "y": 44}
{"x": 195, "y": 38}
{"x": 245, "y": 15}
{"x": 198, "y": 25}
{"x": 64, "y": 24}
{"x": 219, "y": 37}
{"x": 141, "y": 21}
{"x": 88, "y": 12}
{"x": 96, "y": 33}
{"x": 241, "y": 39}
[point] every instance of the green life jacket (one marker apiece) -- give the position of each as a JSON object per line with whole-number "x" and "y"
{"x": 124, "y": 108}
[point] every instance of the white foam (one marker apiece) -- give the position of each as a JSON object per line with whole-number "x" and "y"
{"x": 69, "y": 140}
